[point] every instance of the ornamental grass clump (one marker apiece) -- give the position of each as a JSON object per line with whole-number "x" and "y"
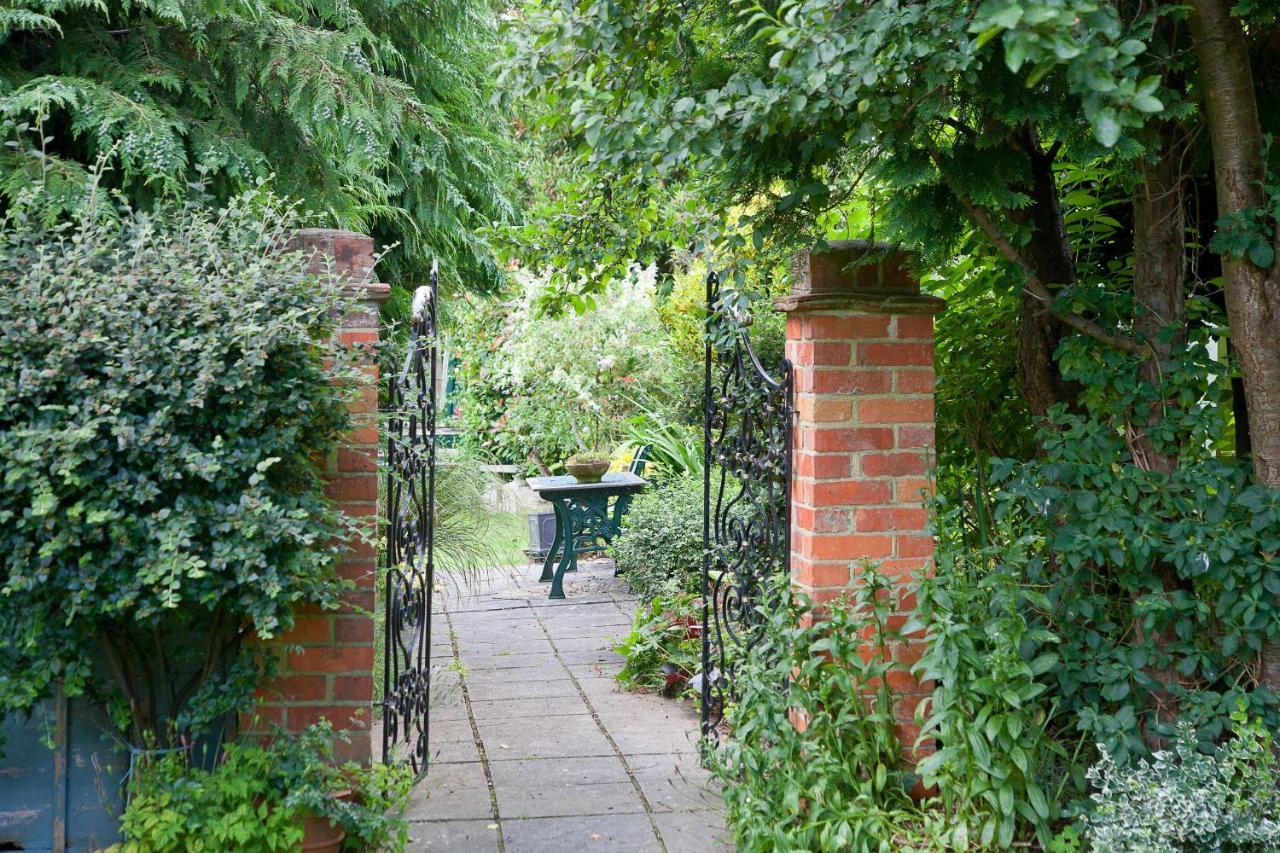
{"x": 167, "y": 381}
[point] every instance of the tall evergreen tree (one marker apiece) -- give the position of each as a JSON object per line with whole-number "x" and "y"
{"x": 372, "y": 112}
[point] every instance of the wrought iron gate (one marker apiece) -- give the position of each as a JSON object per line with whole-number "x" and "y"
{"x": 746, "y": 531}
{"x": 409, "y": 563}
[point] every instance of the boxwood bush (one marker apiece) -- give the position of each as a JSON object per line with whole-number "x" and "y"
{"x": 165, "y": 390}
{"x": 659, "y": 550}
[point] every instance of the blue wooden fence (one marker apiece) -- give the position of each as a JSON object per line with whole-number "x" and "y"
{"x": 60, "y": 779}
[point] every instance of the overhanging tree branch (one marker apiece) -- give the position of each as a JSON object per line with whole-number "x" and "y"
{"x": 1042, "y": 293}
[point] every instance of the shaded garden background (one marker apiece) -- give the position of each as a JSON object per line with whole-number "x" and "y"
{"x": 1089, "y": 183}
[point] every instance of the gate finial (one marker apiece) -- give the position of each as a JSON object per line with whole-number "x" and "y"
{"x": 421, "y": 299}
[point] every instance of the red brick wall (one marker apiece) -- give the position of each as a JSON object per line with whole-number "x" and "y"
{"x": 861, "y": 345}
{"x": 330, "y": 675}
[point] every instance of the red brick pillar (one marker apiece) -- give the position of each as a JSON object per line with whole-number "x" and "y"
{"x": 861, "y": 343}
{"x": 331, "y": 674}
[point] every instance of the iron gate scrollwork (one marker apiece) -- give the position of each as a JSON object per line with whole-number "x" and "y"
{"x": 409, "y": 563}
{"x": 748, "y": 413}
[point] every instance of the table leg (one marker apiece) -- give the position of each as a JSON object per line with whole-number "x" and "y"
{"x": 569, "y": 557}
{"x": 556, "y": 542}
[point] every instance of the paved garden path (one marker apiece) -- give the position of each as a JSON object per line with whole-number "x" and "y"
{"x": 534, "y": 745}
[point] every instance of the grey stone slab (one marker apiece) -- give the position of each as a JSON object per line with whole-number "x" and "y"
{"x": 447, "y": 708}
{"x": 572, "y": 631}
{"x": 471, "y": 606}
{"x": 641, "y": 728}
{"x": 504, "y": 611}
{"x": 538, "y": 660}
{"x": 676, "y": 783}
{"x": 452, "y": 792}
{"x": 600, "y": 685}
{"x": 606, "y": 657}
{"x": 588, "y": 632}
{"x": 585, "y": 644}
{"x": 454, "y": 836}
{"x": 597, "y": 669}
{"x": 525, "y": 708}
{"x": 564, "y": 787}
{"x": 519, "y": 624}
{"x": 451, "y": 741}
{"x": 558, "y": 781}
{"x": 516, "y": 642}
{"x": 584, "y": 607}
{"x": 603, "y": 614}
{"x": 500, "y": 685}
{"x": 545, "y": 737}
{"x": 694, "y": 832}
{"x": 618, "y": 832}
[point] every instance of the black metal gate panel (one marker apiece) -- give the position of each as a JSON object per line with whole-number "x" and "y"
{"x": 748, "y": 412}
{"x": 409, "y": 561}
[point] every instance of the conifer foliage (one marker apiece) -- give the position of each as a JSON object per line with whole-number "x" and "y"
{"x": 371, "y": 112}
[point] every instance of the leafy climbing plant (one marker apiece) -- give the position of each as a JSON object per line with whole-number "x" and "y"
{"x": 166, "y": 384}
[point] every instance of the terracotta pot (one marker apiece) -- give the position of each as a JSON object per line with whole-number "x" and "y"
{"x": 321, "y": 836}
{"x": 590, "y": 471}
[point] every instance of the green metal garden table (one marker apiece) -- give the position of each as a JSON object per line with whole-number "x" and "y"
{"x": 588, "y": 516}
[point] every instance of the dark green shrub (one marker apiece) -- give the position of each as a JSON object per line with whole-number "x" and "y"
{"x": 1114, "y": 606}
{"x": 659, "y": 550}
{"x": 165, "y": 390}
{"x": 1161, "y": 586}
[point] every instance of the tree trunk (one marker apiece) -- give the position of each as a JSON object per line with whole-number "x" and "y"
{"x": 1050, "y": 256}
{"x": 1252, "y": 293}
{"x": 1159, "y": 273}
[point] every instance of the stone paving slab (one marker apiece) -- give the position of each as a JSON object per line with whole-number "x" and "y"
{"x": 676, "y": 783}
{"x": 694, "y": 832}
{"x": 565, "y": 787}
{"x": 532, "y": 708}
{"x": 535, "y": 747}
{"x": 451, "y": 741}
{"x": 459, "y": 790}
{"x": 631, "y": 832}
{"x": 455, "y": 836}
{"x": 504, "y": 660}
{"x": 506, "y": 688}
{"x": 546, "y": 737}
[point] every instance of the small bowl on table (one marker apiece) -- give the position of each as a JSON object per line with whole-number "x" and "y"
{"x": 587, "y": 470}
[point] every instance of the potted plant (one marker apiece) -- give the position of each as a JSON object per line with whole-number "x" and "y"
{"x": 338, "y": 806}
{"x": 591, "y": 462}
{"x": 285, "y": 794}
{"x": 588, "y": 466}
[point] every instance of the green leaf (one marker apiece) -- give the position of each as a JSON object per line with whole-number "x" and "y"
{"x": 1107, "y": 129}
{"x": 987, "y": 35}
{"x": 1015, "y": 53}
{"x": 1148, "y": 104}
{"x": 1261, "y": 254}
